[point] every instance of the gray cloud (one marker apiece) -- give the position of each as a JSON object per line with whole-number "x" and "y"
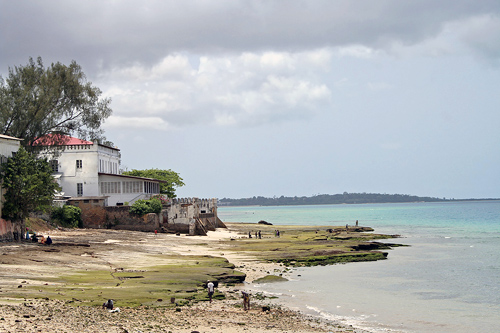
{"x": 102, "y": 34}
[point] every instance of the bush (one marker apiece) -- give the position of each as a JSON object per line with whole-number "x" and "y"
{"x": 155, "y": 205}
{"x": 142, "y": 207}
{"x": 68, "y": 216}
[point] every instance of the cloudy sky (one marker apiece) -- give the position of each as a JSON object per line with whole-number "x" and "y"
{"x": 248, "y": 98}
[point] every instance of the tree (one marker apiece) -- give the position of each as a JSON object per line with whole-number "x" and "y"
{"x": 142, "y": 207}
{"x": 36, "y": 101}
{"x": 171, "y": 177}
{"x": 68, "y": 216}
{"x": 28, "y": 185}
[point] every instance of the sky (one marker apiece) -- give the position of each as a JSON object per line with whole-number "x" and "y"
{"x": 295, "y": 98}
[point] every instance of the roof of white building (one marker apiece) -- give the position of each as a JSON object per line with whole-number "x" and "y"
{"x": 134, "y": 177}
{"x": 63, "y": 140}
{"x": 2, "y": 136}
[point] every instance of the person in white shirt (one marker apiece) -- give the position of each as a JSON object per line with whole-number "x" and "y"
{"x": 210, "y": 287}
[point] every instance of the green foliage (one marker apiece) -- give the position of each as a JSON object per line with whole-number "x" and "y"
{"x": 28, "y": 184}
{"x": 142, "y": 207}
{"x": 35, "y": 101}
{"x": 68, "y": 216}
{"x": 172, "y": 179}
{"x": 155, "y": 205}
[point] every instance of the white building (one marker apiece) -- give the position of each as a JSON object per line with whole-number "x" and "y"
{"x": 86, "y": 169}
{"x": 8, "y": 147}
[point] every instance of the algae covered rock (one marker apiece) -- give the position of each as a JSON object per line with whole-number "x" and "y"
{"x": 270, "y": 278}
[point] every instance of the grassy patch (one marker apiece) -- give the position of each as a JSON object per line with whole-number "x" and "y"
{"x": 152, "y": 286}
{"x": 310, "y": 246}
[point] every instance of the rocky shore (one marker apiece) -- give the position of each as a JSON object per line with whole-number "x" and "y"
{"x": 59, "y": 316}
{"x": 46, "y": 289}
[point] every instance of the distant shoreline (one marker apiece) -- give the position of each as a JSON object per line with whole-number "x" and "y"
{"x": 223, "y": 204}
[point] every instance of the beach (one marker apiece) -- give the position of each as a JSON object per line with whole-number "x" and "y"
{"x": 35, "y": 267}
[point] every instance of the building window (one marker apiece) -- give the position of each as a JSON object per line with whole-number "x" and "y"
{"x": 110, "y": 187}
{"x": 151, "y": 187}
{"x": 132, "y": 187}
{"x": 79, "y": 189}
{"x": 79, "y": 164}
{"x": 54, "y": 165}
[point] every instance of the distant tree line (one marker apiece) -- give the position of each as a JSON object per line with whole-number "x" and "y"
{"x": 328, "y": 199}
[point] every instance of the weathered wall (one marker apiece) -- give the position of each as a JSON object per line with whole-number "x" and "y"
{"x": 191, "y": 215}
{"x": 10, "y": 231}
{"x": 186, "y": 216}
{"x": 117, "y": 217}
{"x": 6, "y": 230}
{"x": 121, "y": 219}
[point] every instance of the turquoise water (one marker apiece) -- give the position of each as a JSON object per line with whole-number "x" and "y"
{"x": 448, "y": 280}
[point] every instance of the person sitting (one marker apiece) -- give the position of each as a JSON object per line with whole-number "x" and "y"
{"x": 108, "y": 304}
{"x": 34, "y": 238}
{"x": 48, "y": 241}
{"x": 42, "y": 240}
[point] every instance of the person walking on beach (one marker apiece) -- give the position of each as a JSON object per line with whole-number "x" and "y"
{"x": 246, "y": 301}
{"x": 210, "y": 287}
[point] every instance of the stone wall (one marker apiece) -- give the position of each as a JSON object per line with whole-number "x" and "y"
{"x": 190, "y": 216}
{"x": 117, "y": 217}
{"x": 10, "y": 231}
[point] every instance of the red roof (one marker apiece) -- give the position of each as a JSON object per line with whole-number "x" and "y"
{"x": 59, "y": 140}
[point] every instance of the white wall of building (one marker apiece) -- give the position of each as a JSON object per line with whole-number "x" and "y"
{"x": 8, "y": 146}
{"x": 78, "y": 167}
{"x": 122, "y": 189}
{"x": 93, "y": 170}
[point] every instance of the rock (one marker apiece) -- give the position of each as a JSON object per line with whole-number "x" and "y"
{"x": 264, "y": 222}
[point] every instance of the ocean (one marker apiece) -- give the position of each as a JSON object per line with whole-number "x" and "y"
{"x": 447, "y": 280}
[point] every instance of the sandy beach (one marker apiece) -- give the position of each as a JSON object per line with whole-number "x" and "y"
{"x": 27, "y": 264}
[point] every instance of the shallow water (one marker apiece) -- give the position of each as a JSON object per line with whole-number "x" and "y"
{"x": 447, "y": 281}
